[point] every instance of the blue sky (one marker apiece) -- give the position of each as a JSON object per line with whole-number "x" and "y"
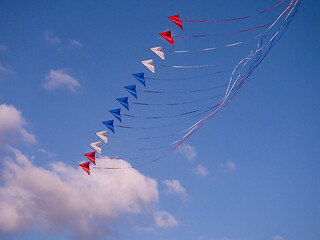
{"x": 250, "y": 173}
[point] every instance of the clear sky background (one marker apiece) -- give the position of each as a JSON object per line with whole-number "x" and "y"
{"x": 252, "y": 172}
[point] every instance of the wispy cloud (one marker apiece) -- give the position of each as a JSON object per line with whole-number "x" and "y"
{"x": 278, "y": 237}
{"x": 187, "y": 151}
{"x": 165, "y": 220}
{"x": 75, "y": 43}
{"x": 174, "y": 187}
{"x": 12, "y": 126}
{"x": 228, "y": 167}
{"x": 3, "y": 48}
{"x": 50, "y": 38}
{"x": 62, "y": 197}
{"x": 60, "y": 78}
{"x": 49, "y": 154}
{"x": 5, "y": 71}
{"x": 201, "y": 171}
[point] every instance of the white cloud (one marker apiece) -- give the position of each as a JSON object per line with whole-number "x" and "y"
{"x": 51, "y": 38}
{"x": 278, "y": 238}
{"x": 201, "y": 170}
{"x": 75, "y": 43}
{"x": 228, "y": 166}
{"x": 187, "y": 151}
{"x": 66, "y": 198}
{"x": 3, "y": 48}
{"x": 60, "y": 78}
{"x": 175, "y": 187}
{"x": 12, "y": 126}
{"x": 165, "y": 220}
{"x": 50, "y": 154}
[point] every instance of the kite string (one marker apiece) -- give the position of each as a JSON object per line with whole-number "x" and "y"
{"x": 223, "y": 34}
{"x": 271, "y": 25}
{"x": 233, "y": 19}
{"x": 238, "y": 43}
{"x": 198, "y": 125}
{"x": 215, "y": 111}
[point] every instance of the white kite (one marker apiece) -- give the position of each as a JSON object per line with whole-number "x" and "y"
{"x": 96, "y": 146}
{"x": 103, "y": 136}
{"x": 149, "y": 65}
{"x": 158, "y": 51}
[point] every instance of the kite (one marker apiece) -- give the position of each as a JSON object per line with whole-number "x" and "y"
{"x": 132, "y": 90}
{"x": 103, "y": 136}
{"x": 140, "y": 78}
{"x": 167, "y": 36}
{"x": 116, "y": 113}
{"x": 91, "y": 157}
{"x": 96, "y": 146}
{"x": 149, "y": 65}
{"x": 124, "y": 102}
{"x": 158, "y": 51}
{"x": 85, "y": 167}
{"x": 109, "y": 124}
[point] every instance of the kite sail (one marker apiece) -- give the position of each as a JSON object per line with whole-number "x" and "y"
{"x": 91, "y": 157}
{"x": 167, "y": 36}
{"x": 149, "y": 65}
{"x": 96, "y": 146}
{"x": 158, "y": 51}
{"x": 103, "y": 136}
{"x": 86, "y": 167}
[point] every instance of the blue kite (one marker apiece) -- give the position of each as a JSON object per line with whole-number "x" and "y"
{"x": 140, "y": 78}
{"x": 116, "y": 113}
{"x": 109, "y": 124}
{"x": 124, "y": 102}
{"x": 132, "y": 90}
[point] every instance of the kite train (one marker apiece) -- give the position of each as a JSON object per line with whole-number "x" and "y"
{"x": 172, "y": 96}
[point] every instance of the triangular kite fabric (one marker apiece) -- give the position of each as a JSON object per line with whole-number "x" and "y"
{"x": 158, "y": 51}
{"x": 149, "y": 65}
{"x": 132, "y": 90}
{"x": 96, "y": 146}
{"x": 124, "y": 102}
{"x": 85, "y": 167}
{"x": 109, "y": 124}
{"x": 167, "y": 36}
{"x": 176, "y": 20}
{"x": 103, "y": 136}
{"x": 116, "y": 113}
{"x": 140, "y": 78}
{"x": 91, "y": 157}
